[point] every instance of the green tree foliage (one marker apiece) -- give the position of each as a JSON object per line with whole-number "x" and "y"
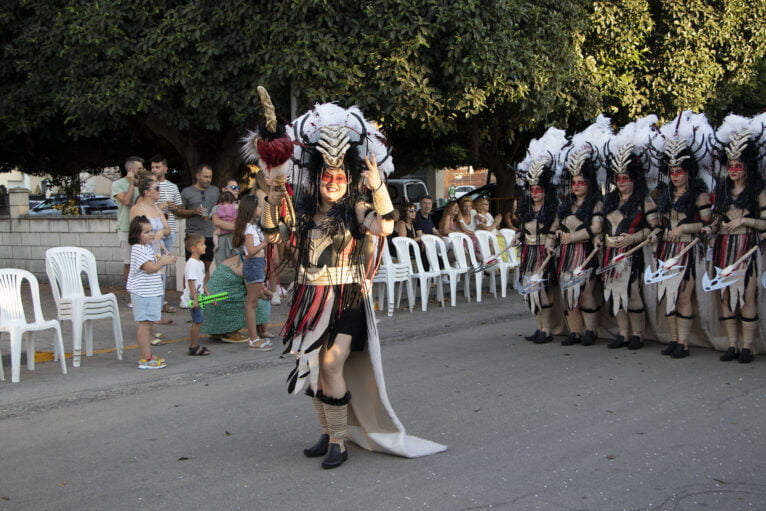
{"x": 664, "y": 56}
{"x": 85, "y": 83}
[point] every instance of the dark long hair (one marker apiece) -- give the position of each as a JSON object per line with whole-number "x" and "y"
{"x": 245, "y": 215}
{"x": 748, "y": 199}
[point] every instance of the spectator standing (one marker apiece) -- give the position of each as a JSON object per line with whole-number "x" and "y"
{"x": 170, "y": 198}
{"x": 194, "y": 286}
{"x": 124, "y": 193}
{"x": 145, "y": 287}
{"x": 198, "y": 202}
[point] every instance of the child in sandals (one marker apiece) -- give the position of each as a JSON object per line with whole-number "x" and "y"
{"x": 194, "y": 285}
{"x": 249, "y": 238}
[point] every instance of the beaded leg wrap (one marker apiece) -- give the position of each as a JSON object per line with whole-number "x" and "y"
{"x": 623, "y": 323}
{"x": 749, "y": 327}
{"x": 590, "y": 318}
{"x": 637, "y": 321}
{"x": 673, "y": 325}
{"x": 732, "y": 330}
{"x": 336, "y": 413}
{"x": 684, "y": 328}
{"x": 319, "y": 407}
{"x": 320, "y": 447}
{"x": 546, "y": 315}
{"x": 575, "y": 321}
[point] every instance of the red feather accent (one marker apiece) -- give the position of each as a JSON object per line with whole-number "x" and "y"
{"x": 274, "y": 152}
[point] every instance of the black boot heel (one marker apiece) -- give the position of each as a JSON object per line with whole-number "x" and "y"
{"x": 319, "y": 448}
{"x": 335, "y": 458}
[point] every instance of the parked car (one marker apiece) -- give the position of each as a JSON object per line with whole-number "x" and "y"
{"x": 89, "y": 205}
{"x": 406, "y": 190}
{"x": 462, "y": 190}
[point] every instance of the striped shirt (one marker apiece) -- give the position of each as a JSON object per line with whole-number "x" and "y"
{"x": 140, "y": 282}
{"x": 169, "y": 193}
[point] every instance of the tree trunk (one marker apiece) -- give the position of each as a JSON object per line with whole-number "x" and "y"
{"x": 181, "y": 141}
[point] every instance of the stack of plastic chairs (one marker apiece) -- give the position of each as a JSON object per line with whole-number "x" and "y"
{"x": 436, "y": 252}
{"x": 389, "y": 274}
{"x": 488, "y": 247}
{"x": 64, "y": 266}
{"x": 407, "y": 251}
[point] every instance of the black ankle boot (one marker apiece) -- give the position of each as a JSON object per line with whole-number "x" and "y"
{"x": 618, "y": 342}
{"x": 534, "y": 336}
{"x": 589, "y": 338}
{"x": 729, "y": 355}
{"x": 636, "y": 343}
{"x": 745, "y": 356}
{"x": 319, "y": 448}
{"x": 680, "y": 351}
{"x": 572, "y": 339}
{"x": 544, "y": 338}
{"x": 335, "y": 458}
{"x": 670, "y": 348}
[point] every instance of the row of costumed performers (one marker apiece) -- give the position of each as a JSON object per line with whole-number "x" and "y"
{"x": 651, "y": 231}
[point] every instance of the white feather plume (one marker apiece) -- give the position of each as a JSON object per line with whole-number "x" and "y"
{"x": 305, "y": 130}
{"x": 546, "y": 148}
{"x": 594, "y": 137}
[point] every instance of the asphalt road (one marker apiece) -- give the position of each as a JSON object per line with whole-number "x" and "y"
{"x": 528, "y": 427}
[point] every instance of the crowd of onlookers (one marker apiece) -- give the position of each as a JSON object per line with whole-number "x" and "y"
{"x": 222, "y": 226}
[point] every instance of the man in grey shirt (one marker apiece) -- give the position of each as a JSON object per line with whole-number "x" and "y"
{"x": 198, "y": 201}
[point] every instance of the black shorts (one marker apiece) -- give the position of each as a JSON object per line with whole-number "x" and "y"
{"x": 353, "y": 322}
{"x": 208, "y": 255}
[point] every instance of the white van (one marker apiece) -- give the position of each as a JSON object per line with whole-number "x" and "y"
{"x": 406, "y": 190}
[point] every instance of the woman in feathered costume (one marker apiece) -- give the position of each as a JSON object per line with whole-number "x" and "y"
{"x": 740, "y": 215}
{"x": 580, "y": 220}
{"x": 537, "y": 214}
{"x": 331, "y": 331}
{"x": 629, "y": 216}
{"x": 684, "y": 208}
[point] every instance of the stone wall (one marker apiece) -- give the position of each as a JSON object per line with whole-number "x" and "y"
{"x": 24, "y": 240}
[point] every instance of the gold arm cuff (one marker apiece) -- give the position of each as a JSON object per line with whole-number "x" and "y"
{"x": 579, "y": 236}
{"x": 758, "y": 224}
{"x": 382, "y": 201}
{"x": 269, "y": 216}
{"x": 692, "y": 228}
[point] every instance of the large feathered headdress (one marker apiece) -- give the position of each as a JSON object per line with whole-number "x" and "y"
{"x": 627, "y": 152}
{"x": 684, "y": 142}
{"x": 744, "y": 139}
{"x": 332, "y": 136}
{"x": 584, "y": 154}
{"x": 542, "y": 164}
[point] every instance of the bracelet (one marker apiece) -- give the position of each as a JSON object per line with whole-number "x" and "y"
{"x": 378, "y": 188}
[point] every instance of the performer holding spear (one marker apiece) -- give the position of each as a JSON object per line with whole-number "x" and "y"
{"x": 740, "y": 206}
{"x": 684, "y": 208}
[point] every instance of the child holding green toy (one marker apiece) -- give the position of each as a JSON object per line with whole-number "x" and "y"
{"x": 194, "y": 286}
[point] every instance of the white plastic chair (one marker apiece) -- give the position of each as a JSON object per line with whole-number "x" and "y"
{"x": 64, "y": 266}
{"x": 511, "y": 256}
{"x": 436, "y": 252}
{"x": 389, "y": 274}
{"x": 465, "y": 258}
{"x": 13, "y": 321}
{"x": 488, "y": 247}
{"x": 406, "y": 251}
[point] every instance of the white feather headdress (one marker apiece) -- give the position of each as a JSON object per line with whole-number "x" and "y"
{"x": 364, "y": 136}
{"x": 542, "y": 153}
